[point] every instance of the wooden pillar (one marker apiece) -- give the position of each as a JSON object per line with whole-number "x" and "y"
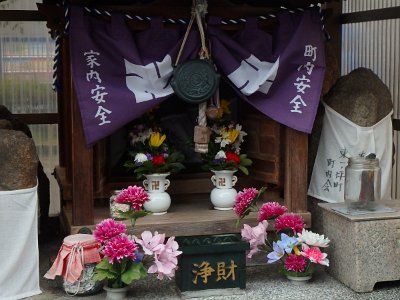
{"x": 65, "y": 108}
{"x": 296, "y": 153}
{"x": 334, "y": 27}
{"x": 82, "y": 171}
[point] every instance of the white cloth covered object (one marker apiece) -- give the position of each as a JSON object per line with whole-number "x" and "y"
{"x": 341, "y": 138}
{"x": 19, "y": 253}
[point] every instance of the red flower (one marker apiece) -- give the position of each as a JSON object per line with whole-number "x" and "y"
{"x": 158, "y": 160}
{"x": 118, "y": 248}
{"x": 231, "y": 156}
{"x": 244, "y": 199}
{"x": 295, "y": 263}
{"x": 134, "y": 195}
{"x": 108, "y": 229}
{"x": 289, "y": 221}
{"x": 271, "y": 210}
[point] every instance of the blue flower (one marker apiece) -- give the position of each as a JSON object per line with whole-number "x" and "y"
{"x": 287, "y": 243}
{"x": 276, "y": 254}
{"x": 139, "y": 256}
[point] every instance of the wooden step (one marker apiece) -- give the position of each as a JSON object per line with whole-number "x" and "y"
{"x": 186, "y": 217}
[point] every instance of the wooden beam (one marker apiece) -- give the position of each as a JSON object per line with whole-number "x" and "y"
{"x": 371, "y": 15}
{"x": 396, "y": 124}
{"x": 193, "y": 216}
{"x": 42, "y": 118}
{"x": 295, "y": 188}
{"x": 21, "y": 15}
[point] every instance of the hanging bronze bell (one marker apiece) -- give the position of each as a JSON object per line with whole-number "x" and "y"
{"x": 195, "y": 81}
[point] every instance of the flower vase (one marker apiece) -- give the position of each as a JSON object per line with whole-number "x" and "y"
{"x": 223, "y": 195}
{"x": 159, "y": 200}
{"x": 299, "y": 280}
{"x": 116, "y": 293}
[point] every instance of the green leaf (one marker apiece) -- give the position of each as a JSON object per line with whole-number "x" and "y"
{"x": 175, "y": 156}
{"x": 130, "y": 214}
{"x": 261, "y": 191}
{"x": 134, "y": 271}
{"x": 104, "y": 264}
{"x": 243, "y": 169}
{"x": 245, "y": 161}
{"x": 100, "y": 275}
{"x": 140, "y": 213}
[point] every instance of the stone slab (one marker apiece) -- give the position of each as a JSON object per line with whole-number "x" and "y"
{"x": 364, "y": 249}
{"x": 211, "y": 293}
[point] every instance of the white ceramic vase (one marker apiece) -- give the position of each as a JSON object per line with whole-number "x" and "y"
{"x": 156, "y": 185}
{"x": 223, "y": 195}
{"x": 116, "y": 293}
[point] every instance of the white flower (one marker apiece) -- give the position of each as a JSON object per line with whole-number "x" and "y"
{"x": 220, "y": 154}
{"x": 140, "y": 158}
{"x": 312, "y": 239}
{"x": 145, "y": 135}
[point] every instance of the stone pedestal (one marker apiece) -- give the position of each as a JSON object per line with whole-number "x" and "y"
{"x": 364, "y": 249}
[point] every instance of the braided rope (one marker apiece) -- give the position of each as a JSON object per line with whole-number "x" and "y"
{"x": 77, "y": 250}
{"x": 56, "y": 61}
{"x": 202, "y": 119}
{"x": 57, "y": 42}
{"x": 224, "y": 22}
{"x": 167, "y": 20}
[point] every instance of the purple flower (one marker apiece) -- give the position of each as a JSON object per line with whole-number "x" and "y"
{"x": 255, "y": 236}
{"x": 165, "y": 260}
{"x": 150, "y": 243}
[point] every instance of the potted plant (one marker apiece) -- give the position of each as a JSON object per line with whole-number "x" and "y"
{"x": 151, "y": 154}
{"x": 296, "y": 249}
{"x": 154, "y": 159}
{"x": 224, "y": 158}
{"x": 128, "y": 258}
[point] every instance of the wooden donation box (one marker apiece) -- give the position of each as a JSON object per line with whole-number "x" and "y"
{"x": 212, "y": 262}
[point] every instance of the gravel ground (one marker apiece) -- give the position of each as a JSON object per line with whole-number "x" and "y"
{"x": 263, "y": 282}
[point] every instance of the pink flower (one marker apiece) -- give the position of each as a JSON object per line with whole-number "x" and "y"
{"x": 314, "y": 254}
{"x": 289, "y": 221}
{"x": 244, "y": 199}
{"x": 295, "y": 263}
{"x": 271, "y": 210}
{"x": 134, "y": 195}
{"x": 150, "y": 243}
{"x": 165, "y": 260}
{"x": 255, "y": 236}
{"x": 108, "y": 229}
{"x": 118, "y": 248}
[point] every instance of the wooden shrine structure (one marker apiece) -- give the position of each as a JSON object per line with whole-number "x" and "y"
{"x": 279, "y": 154}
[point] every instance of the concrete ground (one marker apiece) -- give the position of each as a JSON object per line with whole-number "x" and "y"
{"x": 263, "y": 282}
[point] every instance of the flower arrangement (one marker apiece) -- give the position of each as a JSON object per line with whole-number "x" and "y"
{"x": 295, "y": 248}
{"x": 151, "y": 153}
{"x": 128, "y": 258}
{"x": 224, "y": 151}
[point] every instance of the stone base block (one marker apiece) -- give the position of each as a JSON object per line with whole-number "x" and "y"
{"x": 364, "y": 249}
